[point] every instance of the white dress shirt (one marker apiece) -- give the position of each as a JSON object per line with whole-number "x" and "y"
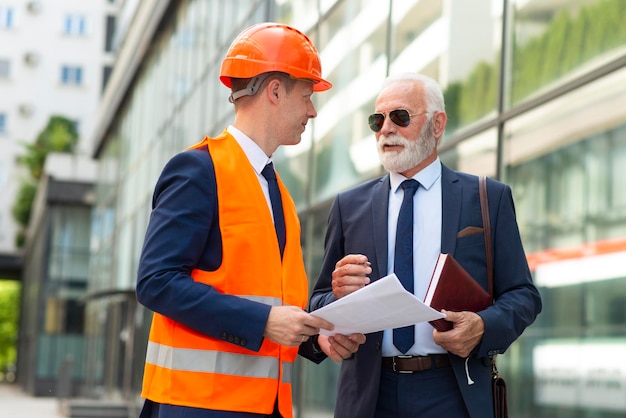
{"x": 426, "y": 247}
{"x": 257, "y": 159}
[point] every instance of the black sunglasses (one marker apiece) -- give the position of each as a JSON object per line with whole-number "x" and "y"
{"x": 400, "y": 117}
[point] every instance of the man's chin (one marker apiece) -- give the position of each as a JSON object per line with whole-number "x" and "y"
{"x": 391, "y": 166}
{"x": 389, "y": 154}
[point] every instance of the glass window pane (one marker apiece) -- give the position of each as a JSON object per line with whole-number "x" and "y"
{"x": 476, "y": 155}
{"x": 552, "y": 40}
{"x": 6, "y": 17}
{"x": 5, "y": 68}
{"x": 563, "y": 159}
{"x": 457, "y": 45}
{"x": 352, "y": 44}
{"x": 304, "y": 12}
{"x": 319, "y": 396}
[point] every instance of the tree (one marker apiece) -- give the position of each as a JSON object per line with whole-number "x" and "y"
{"x": 9, "y": 313}
{"x": 59, "y": 135}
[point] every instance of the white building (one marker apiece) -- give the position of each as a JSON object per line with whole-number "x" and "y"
{"x": 55, "y": 57}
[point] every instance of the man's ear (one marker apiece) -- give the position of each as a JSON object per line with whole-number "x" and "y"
{"x": 273, "y": 90}
{"x": 440, "y": 119}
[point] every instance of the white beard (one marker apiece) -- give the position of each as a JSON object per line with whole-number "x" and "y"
{"x": 412, "y": 153}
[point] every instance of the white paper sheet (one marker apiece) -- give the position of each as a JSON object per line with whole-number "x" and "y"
{"x": 383, "y": 304}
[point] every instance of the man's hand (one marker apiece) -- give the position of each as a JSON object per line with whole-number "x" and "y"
{"x": 340, "y": 347}
{"x": 290, "y": 325}
{"x": 350, "y": 274}
{"x": 465, "y": 335}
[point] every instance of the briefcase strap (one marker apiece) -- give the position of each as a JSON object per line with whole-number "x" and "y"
{"x": 498, "y": 383}
{"x": 484, "y": 209}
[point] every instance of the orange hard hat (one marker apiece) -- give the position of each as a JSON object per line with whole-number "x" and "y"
{"x": 266, "y": 47}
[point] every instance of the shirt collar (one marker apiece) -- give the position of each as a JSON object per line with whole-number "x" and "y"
{"x": 426, "y": 177}
{"x": 255, "y": 154}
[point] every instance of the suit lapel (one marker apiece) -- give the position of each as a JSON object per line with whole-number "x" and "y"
{"x": 380, "y": 207}
{"x": 451, "y": 197}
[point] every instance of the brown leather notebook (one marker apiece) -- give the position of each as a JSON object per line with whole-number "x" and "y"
{"x": 453, "y": 289}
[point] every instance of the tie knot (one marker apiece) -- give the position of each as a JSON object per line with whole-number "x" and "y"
{"x": 268, "y": 172}
{"x": 410, "y": 186}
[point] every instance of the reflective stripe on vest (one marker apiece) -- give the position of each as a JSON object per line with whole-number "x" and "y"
{"x": 205, "y": 361}
{"x": 264, "y": 299}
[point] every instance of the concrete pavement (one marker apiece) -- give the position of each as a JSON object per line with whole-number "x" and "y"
{"x": 14, "y": 403}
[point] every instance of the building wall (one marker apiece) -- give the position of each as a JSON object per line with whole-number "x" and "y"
{"x": 38, "y": 39}
{"x": 533, "y": 92}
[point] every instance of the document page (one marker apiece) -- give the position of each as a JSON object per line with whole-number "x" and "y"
{"x": 383, "y": 304}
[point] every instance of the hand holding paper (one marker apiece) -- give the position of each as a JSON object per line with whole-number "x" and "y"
{"x": 383, "y": 304}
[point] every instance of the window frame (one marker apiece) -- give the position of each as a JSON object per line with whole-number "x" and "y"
{"x": 71, "y": 75}
{"x": 7, "y": 17}
{"x": 75, "y": 24}
{"x": 5, "y": 68}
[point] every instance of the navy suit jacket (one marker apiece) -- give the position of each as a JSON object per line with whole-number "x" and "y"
{"x": 357, "y": 224}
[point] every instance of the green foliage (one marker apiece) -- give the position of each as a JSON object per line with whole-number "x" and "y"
{"x": 556, "y": 36}
{"x": 23, "y": 202}
{"x": 567, "y": 42}
{"x": 452, "y": 97}
{"x": 59, "y": 135}
{"x": 479, "y": 94}
{"x": 9, "y": 316}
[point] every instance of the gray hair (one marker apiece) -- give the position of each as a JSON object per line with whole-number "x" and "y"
{"x": 432, "y": 89}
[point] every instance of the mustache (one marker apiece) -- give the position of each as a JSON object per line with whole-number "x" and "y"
{"x": 392, "y": 140}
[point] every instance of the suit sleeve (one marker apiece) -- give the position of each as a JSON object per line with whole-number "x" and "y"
{"x": 182, "y": 233}
{"x": 311, "y": 350}
{"x": 517, "y": 300}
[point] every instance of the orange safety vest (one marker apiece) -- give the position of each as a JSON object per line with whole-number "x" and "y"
{"x": 185, "y": 367}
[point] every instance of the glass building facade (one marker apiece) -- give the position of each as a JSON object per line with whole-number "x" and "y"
{"x": 52, "y": 342}
{"x": 536, "y": 96}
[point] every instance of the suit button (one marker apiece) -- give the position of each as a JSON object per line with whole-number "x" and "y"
{"x": 243, "y": 341}
{"x": 224, "y": 336}
{"x": 237, "y": 340}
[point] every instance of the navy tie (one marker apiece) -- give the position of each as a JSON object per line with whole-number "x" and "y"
{"x": 277, "y": 205}
{"x": 403, "y": 338}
